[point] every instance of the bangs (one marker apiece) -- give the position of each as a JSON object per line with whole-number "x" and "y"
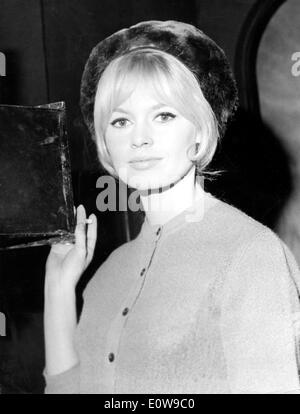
{"x": 149, "y": 69}
{"x": 153, "y": 73}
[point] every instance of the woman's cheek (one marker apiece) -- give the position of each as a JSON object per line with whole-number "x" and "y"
{"x": 121, "y": 165}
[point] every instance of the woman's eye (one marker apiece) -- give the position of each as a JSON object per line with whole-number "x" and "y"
{"x": 120, "y": 122}
{"x": 165, "y": 116}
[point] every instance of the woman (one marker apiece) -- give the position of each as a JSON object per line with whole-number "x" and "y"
{"x": 205, "y": 299}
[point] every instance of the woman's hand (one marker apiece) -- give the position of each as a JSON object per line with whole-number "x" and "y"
{"x": 65, "y": 265}
{"x": 67, "y": 262}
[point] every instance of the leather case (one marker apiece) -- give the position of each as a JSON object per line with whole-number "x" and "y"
{"x": 36, "y": 199}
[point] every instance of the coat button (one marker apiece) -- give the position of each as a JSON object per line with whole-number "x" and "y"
{"x": 111, "y": 357}
{"x": 125, "y": 311}
{"x": 142, "y": 272}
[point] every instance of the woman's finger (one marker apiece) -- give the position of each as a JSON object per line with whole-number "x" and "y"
{"x": 91, "y": 237}
{"x": 61, "y": 248}
{"x": 80, "y": 232}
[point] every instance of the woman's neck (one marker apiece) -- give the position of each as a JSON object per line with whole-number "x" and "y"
{"x": 160, "y": 207}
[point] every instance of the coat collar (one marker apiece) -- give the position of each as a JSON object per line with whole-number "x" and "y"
{"x": 195, "y": 213}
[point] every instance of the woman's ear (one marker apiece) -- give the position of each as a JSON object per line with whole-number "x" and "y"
{"x": 198, "y": 137}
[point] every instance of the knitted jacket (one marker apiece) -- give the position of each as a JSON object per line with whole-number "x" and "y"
{"x": 207, "y": 303}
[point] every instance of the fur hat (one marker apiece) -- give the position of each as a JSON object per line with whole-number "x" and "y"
{"x": 184, "y": 41}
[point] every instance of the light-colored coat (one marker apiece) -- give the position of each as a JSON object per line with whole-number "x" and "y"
{"x": 207, "y": 303}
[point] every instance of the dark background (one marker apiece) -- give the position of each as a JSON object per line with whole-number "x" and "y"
{"x": 46, "y": 43}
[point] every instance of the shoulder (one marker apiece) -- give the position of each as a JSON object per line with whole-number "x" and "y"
{"x": 255, "y": 251}
{"x": 235, "y": 221}
{"x": 230, "y": 230}
{"x": 261, "y": 265}
{"x": 256, "y": 244}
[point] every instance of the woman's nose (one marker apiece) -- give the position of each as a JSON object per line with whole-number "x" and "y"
{"x": 141, "y": 135}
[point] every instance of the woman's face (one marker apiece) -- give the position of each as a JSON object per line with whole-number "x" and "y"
{"x": 148, "y": 141}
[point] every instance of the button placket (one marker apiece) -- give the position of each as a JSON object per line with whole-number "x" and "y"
{"x": 117, "y": 327}
{"x": 116, "y": 330}
{"x": 158, "y": 234}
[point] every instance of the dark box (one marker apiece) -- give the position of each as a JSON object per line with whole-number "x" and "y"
{"x": 36, "y": 200}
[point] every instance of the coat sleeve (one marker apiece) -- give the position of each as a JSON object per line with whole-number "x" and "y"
{"x": 66, "y": 382}
{"x": 260, "y": 318}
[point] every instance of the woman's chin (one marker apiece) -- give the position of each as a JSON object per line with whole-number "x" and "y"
{"x": 144, "y": 182}
{"x": 150, "y": 186}
{"x": 153, "y": 181}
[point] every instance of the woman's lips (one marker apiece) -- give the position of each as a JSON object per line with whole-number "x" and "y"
{"x": 144, "y": 164}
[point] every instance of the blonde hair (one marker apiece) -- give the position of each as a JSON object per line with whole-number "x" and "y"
{"x": 172, "y": 83}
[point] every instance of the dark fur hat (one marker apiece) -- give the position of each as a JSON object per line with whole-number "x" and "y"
{"x": 184, "y": 41}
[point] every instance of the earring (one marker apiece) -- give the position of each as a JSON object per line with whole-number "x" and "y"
{"x": 194, "y": 150}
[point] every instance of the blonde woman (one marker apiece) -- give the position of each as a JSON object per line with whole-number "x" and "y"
{"x": 205, "y": 299}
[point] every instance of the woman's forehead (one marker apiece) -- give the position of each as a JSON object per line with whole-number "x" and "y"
{"x": 145, "y": 93}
